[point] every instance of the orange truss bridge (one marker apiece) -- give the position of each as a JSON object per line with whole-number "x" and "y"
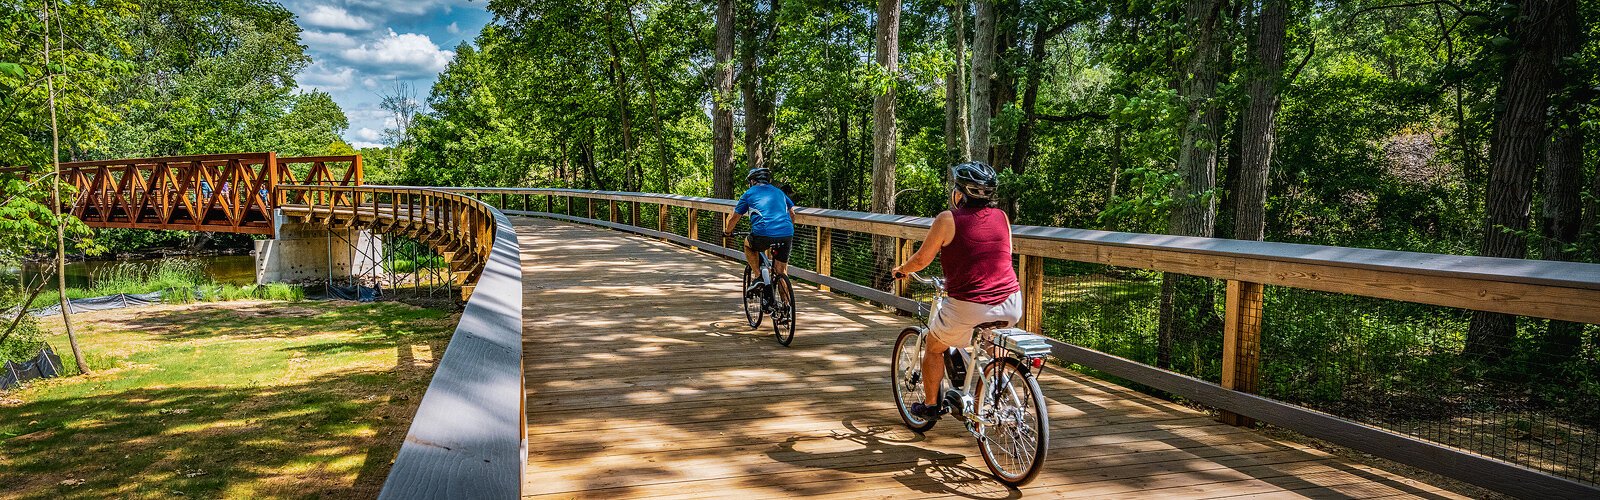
{"x": 232, "y": 193}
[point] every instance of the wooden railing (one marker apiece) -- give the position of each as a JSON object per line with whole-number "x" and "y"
{"x": 468, "y": 438}
{"x": 222, "y": 193}
{"x": 1541, "y": 289}
{"x": 460, "y": 228}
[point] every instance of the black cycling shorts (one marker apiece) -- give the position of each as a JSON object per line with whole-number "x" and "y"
{"x": 779, "y": 245}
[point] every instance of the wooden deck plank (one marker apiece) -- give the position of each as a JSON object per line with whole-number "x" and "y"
{"x": 643, "y": 381}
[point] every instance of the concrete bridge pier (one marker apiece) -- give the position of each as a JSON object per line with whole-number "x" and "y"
{"x": 306, "y": 251}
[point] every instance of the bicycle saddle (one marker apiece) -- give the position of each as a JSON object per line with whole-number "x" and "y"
{"x": 992, "y": 325}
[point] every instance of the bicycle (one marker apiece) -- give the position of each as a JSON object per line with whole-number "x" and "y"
{"x": 778, "y": 305}
{"x": 1003, "y": 408}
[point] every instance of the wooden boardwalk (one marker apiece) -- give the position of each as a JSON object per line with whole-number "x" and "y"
{"x": 644, "y": 381}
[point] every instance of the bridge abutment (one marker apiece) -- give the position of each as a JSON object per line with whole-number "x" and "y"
{"x": 308, "y": 251}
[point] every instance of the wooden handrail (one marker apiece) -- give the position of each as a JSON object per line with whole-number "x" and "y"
{"x": 468, "y": 438}
{"x": 1557, "y": 290}
{"x": 1547, "y": 289}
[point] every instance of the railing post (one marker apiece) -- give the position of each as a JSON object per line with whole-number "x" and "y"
{"x": 663, "y": 211}
{"x": 1241, "y": 343}
{"x": 613, "y": 210}
{"x": 694, "y": 223}
{"x": 1033, "y": 293}
{"x": 549, "y": 204}
{"x": 633, "y": 213}
{"x": 590, "y": 203}
{"x": 824, "y": 255}
{"x": 903, "y": 250}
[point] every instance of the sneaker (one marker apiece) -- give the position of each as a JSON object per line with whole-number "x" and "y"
{"x": 926, "y": 412}
{"x": 754, "y": 290}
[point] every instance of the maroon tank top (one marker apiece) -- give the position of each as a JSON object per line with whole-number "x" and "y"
{"x": 977, "y": 262}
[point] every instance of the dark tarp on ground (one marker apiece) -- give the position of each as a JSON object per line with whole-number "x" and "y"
{"x": 45, "y": 365}
{"x": 358, "y": 293}
{"x": 117, "y": 301}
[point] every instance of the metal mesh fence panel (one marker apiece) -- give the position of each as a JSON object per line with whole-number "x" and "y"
{"x": 853, "y": 259}
{"x": 678, "y": 221}
{"x": 1404, "y": 367}
{"x": 649, "y": 215}
{"x": 1117, "y": 311}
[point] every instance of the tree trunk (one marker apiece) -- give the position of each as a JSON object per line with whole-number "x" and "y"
{"x": 55, "y": 202}
{"x": 757, "y": 33}
{"x": 1030, "y": 95}
{"x": 955, "y": 92}
{"x": 721, "y": 106}
{"x": 1194, "y": 201}
{"x": 1518, "y": 141}
{"x": 884, "y": 138}
{"x": 981, "y": 93}
{"x": 631, "y": 176}
{"x": 1004, "y": 91}
{"x": 655, "y": 107}
{"x": 1561, "y": 216}
{"x": 1259, "y": 122}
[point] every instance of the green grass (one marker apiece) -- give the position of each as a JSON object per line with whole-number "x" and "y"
{"x": 244, "y": 399}
{"x": 179, "y": 281}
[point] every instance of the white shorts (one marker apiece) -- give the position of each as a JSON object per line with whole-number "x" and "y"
{"x": 956, "y": 319}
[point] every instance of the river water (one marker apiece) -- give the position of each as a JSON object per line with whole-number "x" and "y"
{"x": 224, "y": 269}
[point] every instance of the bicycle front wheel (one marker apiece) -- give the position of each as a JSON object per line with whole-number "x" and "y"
{"x": 1017, "y": 432}
{"x": 783, "y": 310}
{"x": 752, "y": 302}
{"x": 905, "y": 372}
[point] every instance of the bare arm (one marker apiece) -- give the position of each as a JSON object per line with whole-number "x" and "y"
{"x": 943, "y": 230}
{"x": 730, "y": 223}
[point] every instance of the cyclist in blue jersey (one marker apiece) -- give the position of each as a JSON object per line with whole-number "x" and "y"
{"x": 771, "y": 222}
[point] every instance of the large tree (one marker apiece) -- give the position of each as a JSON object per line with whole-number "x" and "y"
{"x": 1515, "y": 150}
{"x": 722, "y": 105}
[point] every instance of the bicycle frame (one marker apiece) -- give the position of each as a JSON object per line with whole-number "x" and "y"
{"x": 1028, "y": 348}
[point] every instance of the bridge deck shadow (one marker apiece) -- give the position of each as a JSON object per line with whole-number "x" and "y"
{"x": 644, "y": 381}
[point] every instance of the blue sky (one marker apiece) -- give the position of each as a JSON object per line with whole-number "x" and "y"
{"x": 360, "y": 49}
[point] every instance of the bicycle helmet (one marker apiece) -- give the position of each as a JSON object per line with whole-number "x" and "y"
{"x": 974, "y": 179}
{"x": 759, "y": 175}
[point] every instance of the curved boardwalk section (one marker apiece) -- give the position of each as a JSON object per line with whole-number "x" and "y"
{"x": 643, "y": 381}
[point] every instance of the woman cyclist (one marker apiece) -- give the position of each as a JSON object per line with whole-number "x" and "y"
{"x": 975, "y": 239}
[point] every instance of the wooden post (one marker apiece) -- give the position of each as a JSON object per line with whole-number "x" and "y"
{"x": 1033, "y": 293}
{"x": 824, "y": 254}
{"x": 633, "y": 213}
{"x": 590, "y": 203}
{"x": 549, "y": 204}
{"x": 661, "y": 217}
{"x": 613, "y": 210}
{"x": 694, "y": 223}
{"x": 903, "y": 250}
{"x": 1241, "y": 343}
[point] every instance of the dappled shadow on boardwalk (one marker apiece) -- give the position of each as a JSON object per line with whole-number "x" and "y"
{"x": 644, "y": 381}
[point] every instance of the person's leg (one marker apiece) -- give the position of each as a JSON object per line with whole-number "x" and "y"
{"x": 932, "y": 369}
{"x": 780, "y": 263}
{"x": 753, "y": 259}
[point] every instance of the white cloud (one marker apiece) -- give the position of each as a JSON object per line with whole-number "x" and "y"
{"x": 317, "y": 40}
{"x": 370, "y": 83}
{"x": 453, "y": 28}
{"x": 367, "y": 134}
{"x": 324, "y": 16}
{"x": 364, "y": 144}
{"x": 401, "y": 54}
{"x": 321, "y": 77}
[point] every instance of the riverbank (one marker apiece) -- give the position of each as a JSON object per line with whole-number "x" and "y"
{"x": 233, "y": 399}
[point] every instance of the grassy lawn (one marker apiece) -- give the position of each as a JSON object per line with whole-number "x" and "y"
{"x": 240, "y": 399}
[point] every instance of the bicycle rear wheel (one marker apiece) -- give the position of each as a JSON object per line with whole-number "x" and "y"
{"x": 783, "y": 310}
{"x": 1014, "y": 444}
{"x": 752, "y": 304}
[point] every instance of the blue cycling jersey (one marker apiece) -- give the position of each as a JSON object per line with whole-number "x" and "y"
{"x": 768, "y": 208}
